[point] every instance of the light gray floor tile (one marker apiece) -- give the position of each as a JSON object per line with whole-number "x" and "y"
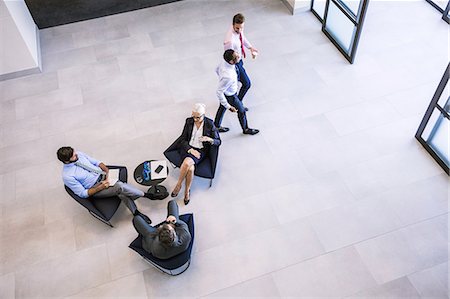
{"x": 20, "y": 131}
{"x": 346, "y": 225}
{"x": 53, "y": 101}
{"x": 263, "y": 287}
{"x": 65, "y": 275}
{"x": 432, "y": 282}
{"x": 362, "y": 116}
{"x": 26, "y": 86}
{"x": 407, "y": 250}
{"x": 399, "y": 288}
{"x": 79, "y": 56}
{"x": 336, "y": 274}
{"x": 7, "y": 286}
{"x": 128, "y": 287}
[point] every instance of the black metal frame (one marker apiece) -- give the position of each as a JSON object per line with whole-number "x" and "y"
{"x": 444, "y": 12}
{"x": 357, "y": 20}
{"x": 434, "y": 105}
{"x": 315, "y": 12}
{"x": 101, "y": 219}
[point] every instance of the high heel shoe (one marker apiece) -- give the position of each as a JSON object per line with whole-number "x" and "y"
{"x": 175, "y": 191}
{"x": 187, "y": 198}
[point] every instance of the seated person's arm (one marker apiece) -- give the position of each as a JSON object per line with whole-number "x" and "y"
{"x": 215, "y": 136}
{"x": 104, "y": 168}
{"x": 184, "y": 236}
{"x": 185, "y": 138}
{"x": 98, "y": 187}
{"x": 82, "y": 192}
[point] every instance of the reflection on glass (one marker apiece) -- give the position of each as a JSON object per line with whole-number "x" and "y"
{"x": 340, "y": 27}
{"x": 353, "y": 5}
{"x": 442, "y": 4}
{"x": 436, "y": 134}
{"x": 319, "y": 7}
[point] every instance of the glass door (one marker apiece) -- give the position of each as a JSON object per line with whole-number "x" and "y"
{"x": 434, "y": 130}
{"x": 342, "y": 22}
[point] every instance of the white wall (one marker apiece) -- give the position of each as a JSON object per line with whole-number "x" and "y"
{"x": 296, "y": 6}
{"x": 19, "y": 40}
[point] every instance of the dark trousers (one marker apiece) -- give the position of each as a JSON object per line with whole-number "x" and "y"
{"x": 236, "y": 103}
{"x": 244, "y": 79}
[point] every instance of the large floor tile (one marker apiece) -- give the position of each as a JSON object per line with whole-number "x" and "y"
{"x": 131, "y": 286}
{"x": 65, "y": 275}
{"x": 431, "y": 282}
{"x": 399, "y": 288}
{"x": 407, "y": 250}
{"x": 336, "y": 274}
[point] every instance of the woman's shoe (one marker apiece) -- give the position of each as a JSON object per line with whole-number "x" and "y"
{"x": 175, "y": 191}
{"x": 187, "y": 198}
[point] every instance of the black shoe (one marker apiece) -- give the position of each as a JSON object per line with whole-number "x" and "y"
{"x": 145, "y": 217}
{"x": 223, "y": 129}
{"x": 149, "y": 195}
{"x": 251, "y": 131}
{"x": 245, "y": 108}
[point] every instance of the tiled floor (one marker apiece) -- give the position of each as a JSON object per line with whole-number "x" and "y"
{"x": 334, "y": 198}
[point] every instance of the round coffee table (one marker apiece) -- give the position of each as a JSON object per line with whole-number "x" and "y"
{"x": 146, "y": 180}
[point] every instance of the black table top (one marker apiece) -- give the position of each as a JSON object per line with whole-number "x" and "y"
{"x": 139, "y": 175}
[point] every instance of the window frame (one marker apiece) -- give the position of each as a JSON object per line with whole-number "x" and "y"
{"x": 431, "y": 108}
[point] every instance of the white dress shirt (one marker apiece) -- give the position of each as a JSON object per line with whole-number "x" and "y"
{"x": 227, "y": 82}
{"x": 232, "y": 41}
{"x": 195, "y": 137}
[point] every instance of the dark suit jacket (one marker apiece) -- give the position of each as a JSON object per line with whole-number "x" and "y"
{"x": 209, "y": 129}
{"x": 151, "y": 243}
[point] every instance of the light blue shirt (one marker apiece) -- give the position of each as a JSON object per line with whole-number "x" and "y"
{"x": 78, "y": 179}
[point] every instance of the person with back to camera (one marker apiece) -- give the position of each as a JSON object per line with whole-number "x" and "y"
{"x": 199, "y": 133}
{"x": 169, "y": 239}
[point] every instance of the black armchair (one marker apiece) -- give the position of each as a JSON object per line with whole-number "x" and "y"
{"x": 102, "y": 208}
{"x": 205, "y": 169}
{"x": 174, "y": 265}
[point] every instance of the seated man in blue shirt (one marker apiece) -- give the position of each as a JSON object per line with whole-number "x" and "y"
{"x": 86, "y": 177}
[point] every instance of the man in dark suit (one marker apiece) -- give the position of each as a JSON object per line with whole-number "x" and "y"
{"x": 169, "y": 239}
{"x": 199, "y": 133}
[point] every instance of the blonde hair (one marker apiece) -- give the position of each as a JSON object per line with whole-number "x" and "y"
{"x": 199, "y": 108}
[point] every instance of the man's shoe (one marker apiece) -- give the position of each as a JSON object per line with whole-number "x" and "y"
{"x": 223, "y": 129}
{"x": 251, "y": 131}
{"x": 145, "y": 217}
{"x": 245, "y": 108}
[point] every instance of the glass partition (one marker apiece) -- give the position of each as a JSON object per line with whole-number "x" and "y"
{"x": 342, "y": 23}
{"x": 318, "y": 8}
{"x": 434, "y": 130}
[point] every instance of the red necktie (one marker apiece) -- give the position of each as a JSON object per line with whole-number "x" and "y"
{"x": 242, "y": 45}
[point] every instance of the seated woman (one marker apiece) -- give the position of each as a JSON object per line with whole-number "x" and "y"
{"x": 169, "y": 239}
{"x": 198, "y": 134}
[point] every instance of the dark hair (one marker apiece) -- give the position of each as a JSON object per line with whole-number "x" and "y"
{"x": 228, "y": 55}
{"x": 64, "y": 154}
{"x": 166, "y": 235}
{"x": 238, "y": 19}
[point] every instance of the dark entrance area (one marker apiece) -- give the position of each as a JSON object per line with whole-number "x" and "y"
{"x": 49, "y": 13}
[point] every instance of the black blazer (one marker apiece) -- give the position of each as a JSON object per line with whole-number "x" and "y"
{"x": 209, "y": 129}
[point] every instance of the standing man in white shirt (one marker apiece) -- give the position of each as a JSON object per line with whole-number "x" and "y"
{"x": 227, "y": 93}
{"x": 236, "y": 40}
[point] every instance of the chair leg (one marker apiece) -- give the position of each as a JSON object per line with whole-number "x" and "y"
{"x": 101, "y": 219}
{"x": 210, "y": 183}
